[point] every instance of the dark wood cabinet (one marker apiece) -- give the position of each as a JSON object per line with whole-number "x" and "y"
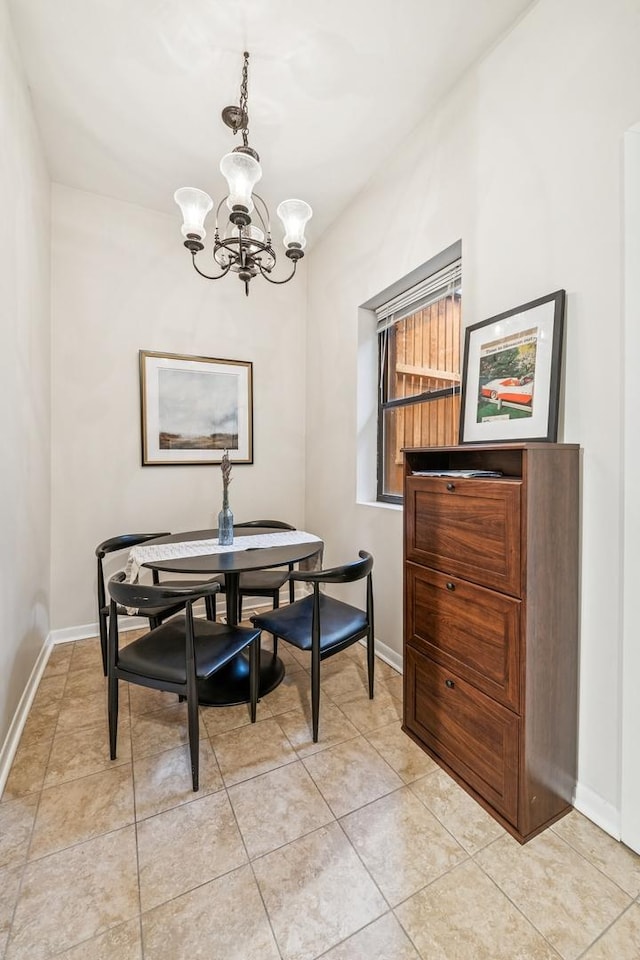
{"x": 491, "y": 623}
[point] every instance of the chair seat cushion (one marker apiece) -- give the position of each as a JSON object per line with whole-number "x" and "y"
{"x": 338, "y": 622}
{"x": 259, "y": 580}
{"x": 160, "y": 654}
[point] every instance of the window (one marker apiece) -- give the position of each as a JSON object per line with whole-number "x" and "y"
{"x": 418, "y": 369}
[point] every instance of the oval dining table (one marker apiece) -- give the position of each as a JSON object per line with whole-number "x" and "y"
{"x": 230, "y": 685}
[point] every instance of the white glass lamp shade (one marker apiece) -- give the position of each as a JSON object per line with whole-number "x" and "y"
{"x": 294, "y": 215}
{"x": 195, "y": 205}
{"x": 242, "y": 172}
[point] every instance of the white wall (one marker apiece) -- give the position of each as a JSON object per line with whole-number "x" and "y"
{"x": 630, "y": 664}
{"x": 523, "y": 162}
{"x": 24, "y": 382}
{"x": 122, "y": 282}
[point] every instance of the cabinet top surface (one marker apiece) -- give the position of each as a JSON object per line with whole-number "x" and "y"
{"x": 469, "y": 447}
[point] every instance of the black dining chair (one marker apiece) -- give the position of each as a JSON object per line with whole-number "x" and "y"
{"x": 155, "y": 615}
{"x": 264, "y": 583}
{"x": 324, "y": 625}
{"x": 176, "y": 654}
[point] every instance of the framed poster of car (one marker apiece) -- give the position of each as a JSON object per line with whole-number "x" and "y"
{"x": 511, "y": 374}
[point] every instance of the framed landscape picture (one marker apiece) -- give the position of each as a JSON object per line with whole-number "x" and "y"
{"x": 511, "y": 374}
{"x": 195, "y": 408}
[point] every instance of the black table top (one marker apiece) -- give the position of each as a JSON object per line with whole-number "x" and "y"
{"x": 237, "y": 561}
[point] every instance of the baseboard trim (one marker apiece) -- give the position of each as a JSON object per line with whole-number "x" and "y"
{"x": 12, "y": 739}
{"x": 598, "y": 810}
{"x": 388, "y": 654}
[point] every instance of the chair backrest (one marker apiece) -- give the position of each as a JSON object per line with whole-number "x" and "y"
{"x": 272, "y": 524}
{"x": 144, "y": 596}
{"x": 124, "y": 542}
{"x": 347, "y": 573}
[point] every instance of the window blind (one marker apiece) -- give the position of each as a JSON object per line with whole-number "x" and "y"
{"x": 421, "y": 295}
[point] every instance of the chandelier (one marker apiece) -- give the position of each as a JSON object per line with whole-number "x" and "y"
{"x": 242, "y": 238}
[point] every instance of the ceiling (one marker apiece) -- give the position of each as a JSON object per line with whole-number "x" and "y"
{"x": 128, "y": 93}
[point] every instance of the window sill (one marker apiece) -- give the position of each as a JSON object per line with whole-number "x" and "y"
{"x": 380, "y": 504}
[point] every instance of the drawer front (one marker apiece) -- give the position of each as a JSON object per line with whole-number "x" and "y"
{"x": 469, "y": 528}
{"x": 468, "y": 629}
{"x": 475, "y": 736}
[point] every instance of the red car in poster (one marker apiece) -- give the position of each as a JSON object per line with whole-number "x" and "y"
{"x": 510, "y": 389}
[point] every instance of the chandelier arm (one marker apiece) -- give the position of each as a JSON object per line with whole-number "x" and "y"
{"x": 286, "y": 280}
{"x": 206, "y": 275}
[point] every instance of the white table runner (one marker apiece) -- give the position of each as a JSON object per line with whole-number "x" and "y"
{"x": 196, "y": 548}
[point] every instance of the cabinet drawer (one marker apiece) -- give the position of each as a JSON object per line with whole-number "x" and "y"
{"x": 468, "y": 629}
{"x": 475, "y": 736}
{"x": 469, "y": 528}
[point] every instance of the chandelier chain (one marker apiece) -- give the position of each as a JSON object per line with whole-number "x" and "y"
{"x": 244, "y": 100}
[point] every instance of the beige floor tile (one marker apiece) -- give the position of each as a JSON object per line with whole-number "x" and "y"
{"x": 343, "y": 680}
{"x": 302, "y": 657}
{"x": 16, "y": 824}
{"x": 251, "y": 750}
{"x": 28, "y": 769}
{"x": 221, "y": 920}
{"x": 86, "y": 751}
{"x": 41, "y": 722}
{"x": 317, "y": 893}
{"x": 401, "y": 753}
{"x": 367, "y": 715}
{"x": 50, "y": 689}
{"x": 78, "y": 810}
{"x": 59, "y": 660}
{"x": 333, "y": 728}
{"x": 10, "y": 878}
{"x": 90, "y": 710}
{"x": 278, "y": 807}
{"x": 469, "y": 823}
{"x": 85, "y": 683}
{"x": 621, "y": 941}
{"x": 86, "y": 653}
{"x": 156, "y": 732}
{"x": 220, "y": 719}
{"x": 145, "y": 700}
{"x": 402, "y": 844}
{"x": 351, "y": 774}
{"x": 163, "y": 781}
{"x": 185, "y": 847}
{"x": 120, "y": 943}
{"x": 384, "y": 939}
{"x": 294, "y": 693}
{"x": 74, "y": 895}
{"x": 570, "y": 912}
{"x": 395, "y": 686}
{"x": 463, "y": 916}
{"x": 615, "y": 860}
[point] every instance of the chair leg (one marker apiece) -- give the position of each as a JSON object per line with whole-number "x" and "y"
{"x": 113, "y": 715}
{"x": 102, "y": 622}
{"x": 194, "y": 740}
{"x": 315, "y": 693}
{"x": 370, "y": 662}
{"x": 276, "y": 604}
{"x": 210, "y": 607}
{"x": 254, "y": 676}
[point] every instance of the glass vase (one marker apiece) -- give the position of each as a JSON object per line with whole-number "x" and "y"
{"x": 225, "y": 526}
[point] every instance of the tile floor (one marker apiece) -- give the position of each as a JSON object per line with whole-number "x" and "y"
{"x": 356, "y": 847}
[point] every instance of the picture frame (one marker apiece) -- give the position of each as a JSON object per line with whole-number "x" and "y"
{"x": 511, "y": 374}
{"x": 194, "y": 408}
